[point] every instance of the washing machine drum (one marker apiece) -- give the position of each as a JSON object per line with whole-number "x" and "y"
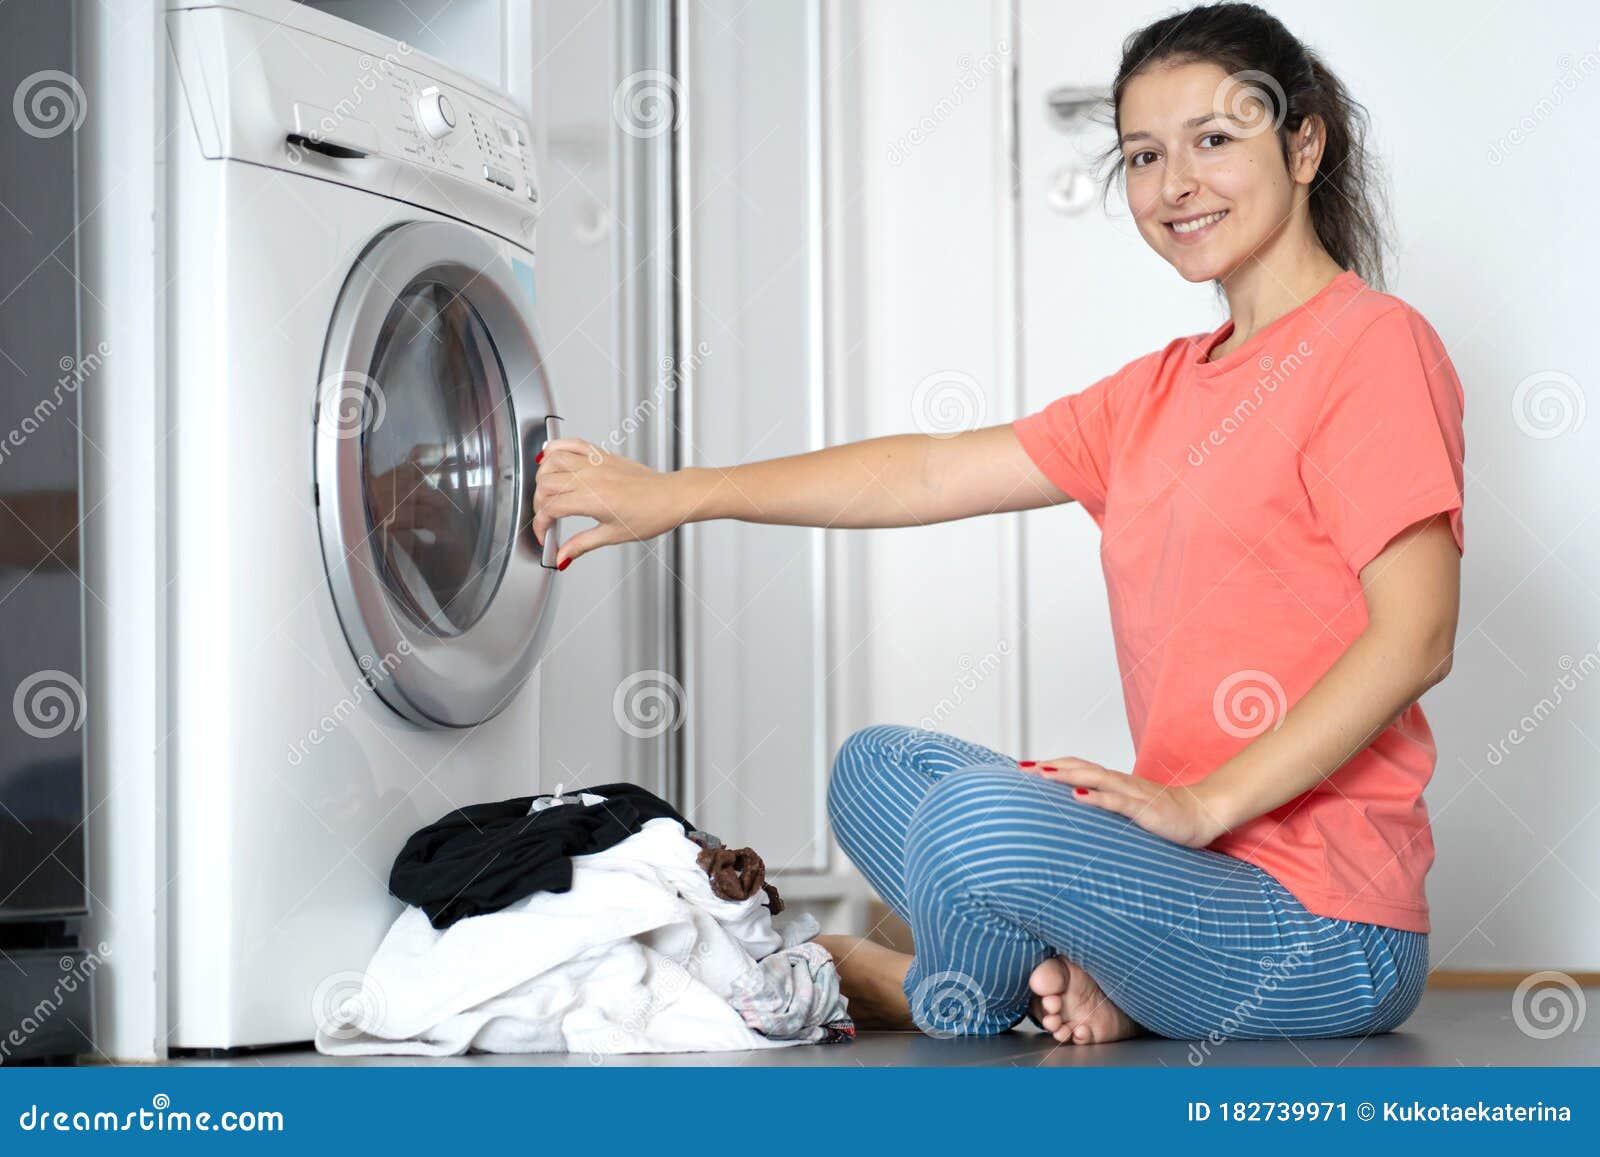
{"x": 431, "y": 410}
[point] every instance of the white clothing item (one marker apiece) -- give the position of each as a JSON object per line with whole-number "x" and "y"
{"x": 797, "y": 930}
{"x": 638, "y": 956}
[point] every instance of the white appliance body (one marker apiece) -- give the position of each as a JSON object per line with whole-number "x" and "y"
{"x": 349, "y": 328}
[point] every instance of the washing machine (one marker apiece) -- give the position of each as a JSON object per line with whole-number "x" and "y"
{"x": 356, "y": 605}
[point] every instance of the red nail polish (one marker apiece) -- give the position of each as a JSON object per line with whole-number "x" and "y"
{"x": 1080, "y": 791}
{"x": 1048, "y": 767}
{"x": 1029, "y": 763}
{"x": 565, "y": 563}
{"x": 539, "y": 459}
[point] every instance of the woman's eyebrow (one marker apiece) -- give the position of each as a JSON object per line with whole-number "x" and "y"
{"x": 1191, "y": 123}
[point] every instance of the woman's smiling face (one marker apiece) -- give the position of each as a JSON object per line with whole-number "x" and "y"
{"x": 1206, "y": 179}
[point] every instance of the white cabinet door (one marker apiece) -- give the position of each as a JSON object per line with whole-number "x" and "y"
{"x": 752, "y": 595}
{"x": 1093, "y": 297}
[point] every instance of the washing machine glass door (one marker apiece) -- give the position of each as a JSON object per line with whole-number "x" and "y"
{"x": 430, "y": 412}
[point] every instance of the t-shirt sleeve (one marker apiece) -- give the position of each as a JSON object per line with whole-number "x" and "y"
{"x": 1070, "y": 440}
{"x": 1387, "y": 449}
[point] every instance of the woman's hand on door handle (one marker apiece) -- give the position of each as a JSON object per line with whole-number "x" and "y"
{"x": 628, "y": 501}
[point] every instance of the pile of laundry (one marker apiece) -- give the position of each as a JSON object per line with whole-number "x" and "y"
{"x": 598, "y": 922}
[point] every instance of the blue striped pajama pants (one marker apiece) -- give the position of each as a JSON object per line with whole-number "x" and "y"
{"x": 996, "y": 869}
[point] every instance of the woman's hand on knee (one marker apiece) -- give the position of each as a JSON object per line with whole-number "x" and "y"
{"x": 1172, "y": 811}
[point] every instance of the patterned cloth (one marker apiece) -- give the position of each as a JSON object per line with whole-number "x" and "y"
{"x": 793, "y": 994}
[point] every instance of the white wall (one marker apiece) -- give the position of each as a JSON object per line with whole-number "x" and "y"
{"x": 1485, "y": 119}
{"x": 1498, "y": 254}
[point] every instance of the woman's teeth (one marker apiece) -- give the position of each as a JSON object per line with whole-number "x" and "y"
{"x": 1197, "y": 223}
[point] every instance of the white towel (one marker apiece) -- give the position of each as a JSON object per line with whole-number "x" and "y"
{"x": 639, "y": 956}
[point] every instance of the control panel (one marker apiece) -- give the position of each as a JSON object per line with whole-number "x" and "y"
{"x": 346, "y": 105}
{"x": 455, "y": 132}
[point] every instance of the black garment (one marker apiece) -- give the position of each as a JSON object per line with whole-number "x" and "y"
{"x": 486, "y": 856}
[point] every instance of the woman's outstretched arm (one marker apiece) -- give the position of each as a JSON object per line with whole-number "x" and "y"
{"x": 898, "y": 480}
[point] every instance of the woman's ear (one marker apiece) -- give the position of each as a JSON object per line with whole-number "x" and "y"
{"x": 1305, "y": 149}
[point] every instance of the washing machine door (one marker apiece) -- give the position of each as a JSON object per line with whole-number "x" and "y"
{"x": 431, "y": 409}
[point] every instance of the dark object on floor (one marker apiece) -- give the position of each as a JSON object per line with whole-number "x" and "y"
{"x": 50, "y": 991}
{"x": 737, "y": 874}
{"x": 484, "y": 857}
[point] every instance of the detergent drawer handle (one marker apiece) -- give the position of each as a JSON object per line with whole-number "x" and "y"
{"x": 331, "y": 134}
{"x": 325, "y": 147}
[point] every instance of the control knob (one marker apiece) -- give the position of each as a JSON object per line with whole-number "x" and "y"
{"x": 435, "y": 113}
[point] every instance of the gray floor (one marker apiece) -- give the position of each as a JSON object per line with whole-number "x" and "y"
{"x": 1450, "y": 1028}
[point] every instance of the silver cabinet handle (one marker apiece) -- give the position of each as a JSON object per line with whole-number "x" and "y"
{"x": 1072, "y": 108}
{"x": 1071, "y": 191}
{"x": 1071, "y": 105}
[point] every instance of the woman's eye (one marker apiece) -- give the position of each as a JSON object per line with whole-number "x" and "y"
{"x": 1138, "y": 161}
{"x": 1220, "y": 138}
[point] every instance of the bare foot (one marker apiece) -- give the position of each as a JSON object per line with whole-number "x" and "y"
{"x": 871, "y": 976}
{"x": 1073, "y": 1009}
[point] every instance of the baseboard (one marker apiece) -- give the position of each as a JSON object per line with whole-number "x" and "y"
{"x": 1461, "y": 978}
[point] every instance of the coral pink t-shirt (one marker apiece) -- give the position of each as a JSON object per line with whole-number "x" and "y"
{"x": 1238, "y": 501}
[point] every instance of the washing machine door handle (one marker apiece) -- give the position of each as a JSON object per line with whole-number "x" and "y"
{"x": 552, "y": 541}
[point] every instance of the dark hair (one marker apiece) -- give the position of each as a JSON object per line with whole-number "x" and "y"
{"x": 1348, "y": 207}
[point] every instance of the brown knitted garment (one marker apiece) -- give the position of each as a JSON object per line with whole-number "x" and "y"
{"x": 737, "y": 874}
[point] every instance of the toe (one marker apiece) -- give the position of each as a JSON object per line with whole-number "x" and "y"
{"x": 1048, "y": 978}
{"x": 1051, "y": 1003}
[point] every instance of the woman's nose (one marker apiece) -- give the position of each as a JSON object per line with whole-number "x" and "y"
{"x": 1179, "y": 185}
